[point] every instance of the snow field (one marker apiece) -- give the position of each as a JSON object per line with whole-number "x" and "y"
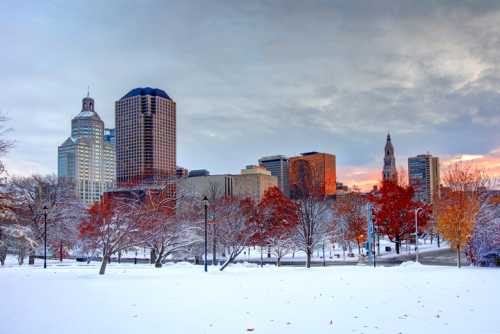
{"x": 180, "y": 298}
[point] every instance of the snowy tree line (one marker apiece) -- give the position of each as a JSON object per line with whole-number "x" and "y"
{"x": 169, "y": 221}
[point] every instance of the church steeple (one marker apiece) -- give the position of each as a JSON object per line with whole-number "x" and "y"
{"x": 389, "y": 172}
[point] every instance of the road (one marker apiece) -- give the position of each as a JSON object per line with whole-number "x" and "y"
{"x": 439, "y": 257}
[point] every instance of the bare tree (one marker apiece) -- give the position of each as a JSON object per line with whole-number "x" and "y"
{"x": 167, "y": 220}
{"x": 235, "y": 228}
{"x": 313, "y": 208}
{"x": 30, "y": 195}
{"x": 314, "y": 217}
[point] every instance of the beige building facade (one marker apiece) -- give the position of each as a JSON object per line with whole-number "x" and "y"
{"x": 249, "y": 184}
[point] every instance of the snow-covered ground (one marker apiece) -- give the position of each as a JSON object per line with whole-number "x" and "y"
{"x": 181, "y": 298}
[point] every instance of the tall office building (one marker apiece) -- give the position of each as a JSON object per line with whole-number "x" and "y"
{"x": 423, "y": 175}
{"x": 389, "y": 172}
{"x": 313, "y": 173}
{"x": 145, "y": 137}
{"x": 86, "y": 158}
{"x": 278, "y": 166}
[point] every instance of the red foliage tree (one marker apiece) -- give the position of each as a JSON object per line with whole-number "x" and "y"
{"x": 349, "y": 219}
{"x": 394, "y": 212}
{"x": 276, "y": 223}
{"x": 113, "y": 225}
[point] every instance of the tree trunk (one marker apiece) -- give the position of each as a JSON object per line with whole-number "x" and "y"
{"x": 458, "y": 257}
{"x": 103, "y": 264}
{"x": 378, "y": 245}
{"x": 268, "y": 252}
{"x": 3, "y": 251}
{"x": 60, "y": 251}
{"x": 438, "y": 241}
{"x": 31, "y": 258}
{"x": 261, "y": 256}
{"x": 225, "y": 264}
{"x": 398, "y": 244}
{"x": 324, "y": 260}
{"x": 159, "y": 258}
{"x": 20, "y": 257}
{"x": 3, "y": 254}
{"x": 152, "y": 259}
{"x": 214, "y": 246}
{"x": 278, "y": 261}
{"x": 308, "y": 258}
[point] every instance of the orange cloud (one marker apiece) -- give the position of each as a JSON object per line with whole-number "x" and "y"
{"x": 366, "y": 177}
{"x": 363, "y": 177}
{"x": 489, "y": 162}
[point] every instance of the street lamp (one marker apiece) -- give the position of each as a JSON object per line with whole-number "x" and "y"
{"x": 417, "y": 210}
{"x": 45, "y": 210}
{"x": 205, "y": 204}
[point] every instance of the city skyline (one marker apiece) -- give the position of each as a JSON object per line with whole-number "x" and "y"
{"x": 322, "y": 77}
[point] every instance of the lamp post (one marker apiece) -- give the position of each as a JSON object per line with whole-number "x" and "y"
{"x": 417, "y": 210}
{"x": 45, "y": 210}
{"x": 205, "y": 204}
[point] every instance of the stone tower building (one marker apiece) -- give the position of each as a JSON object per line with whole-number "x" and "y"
{"x": 389, "y": 172}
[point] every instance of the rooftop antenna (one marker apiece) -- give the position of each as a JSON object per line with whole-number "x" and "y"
{"x": 88, "y": 91}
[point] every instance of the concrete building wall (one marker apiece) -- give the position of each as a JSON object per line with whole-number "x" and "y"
{"x": 217, "y": 186}
{"x": 253, "y": 185}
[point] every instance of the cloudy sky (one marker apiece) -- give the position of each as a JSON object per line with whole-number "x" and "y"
{"x": 255, "y": 78}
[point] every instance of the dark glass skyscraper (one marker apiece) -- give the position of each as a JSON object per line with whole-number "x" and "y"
{"x": 423, "y": 175}
{"x": 278, "y": 166}
{"x": 145, "y": 137}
